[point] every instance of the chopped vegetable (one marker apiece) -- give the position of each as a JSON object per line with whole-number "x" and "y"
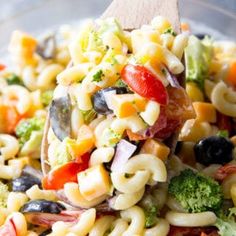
{"x": 101, "y": 99}
{"x": 170, "y": 31}
{"x": 224, "y": 171}
{"x": 8, "y": 229}
{"x": 25, "y": 128}
{"x": 214, "y": 150}
{"x": 56, "y": 178}
{"x": 46, "y": 97}
{"x": 226, "y": 223}
{"x": 110, "y": 137}
{"x": 97, "y": 77}
{"x": 111, "y": 25}
{"x": 14, "y": 79}
{"x": 231, "y": 77}
{"x": 195, "y": 192}
{"x": 88, "y": 115}
{"x": 144, "y": 82}
{"x": 223, "y": 133}
{"x": 151, "y": 216}
{"x": 60, "y": 116}
{"x": 198, "y": 56}
{"x": 9, "y": 118}
{"x": 224, "y": 122}
{"x": 46, "y": 48}
{"x": 2, "y": 67}
{"x": 3, "y": 194}
{"x": 83, "y": 144}
{"x": 124, "y": 151}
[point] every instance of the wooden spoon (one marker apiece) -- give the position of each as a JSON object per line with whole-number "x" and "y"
{"x": 131, "y": 14}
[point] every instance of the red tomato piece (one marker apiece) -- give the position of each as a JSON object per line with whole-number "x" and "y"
{"x": 224, "y": 122}
{"x": 8, "y": 229}
{"x": 145, "y": 83}
{"x": 56, "y": 179}
{"x": 224, "y": 171}
{"x": 2, "y": 67}
{"x": 192, "y": 231}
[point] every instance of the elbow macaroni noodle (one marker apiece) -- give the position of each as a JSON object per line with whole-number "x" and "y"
{"x": 134, "y": 199}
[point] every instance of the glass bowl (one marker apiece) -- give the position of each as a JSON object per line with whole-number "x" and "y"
{"x": 38, "y": 15}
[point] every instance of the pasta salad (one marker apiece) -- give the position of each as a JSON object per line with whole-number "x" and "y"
{"x": 115, "y": 103}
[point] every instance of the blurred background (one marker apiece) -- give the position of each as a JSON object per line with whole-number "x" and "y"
{"x": 37, "y": 15}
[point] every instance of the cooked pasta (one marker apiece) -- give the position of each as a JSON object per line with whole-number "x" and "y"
{"x": 114, "y": 105}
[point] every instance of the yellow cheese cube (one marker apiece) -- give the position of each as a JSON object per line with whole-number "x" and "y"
{"x": 83, "y": 144}
{"x": 205, "y": 111}
{"x": 233, "y": 140}
{"x": 233, "y": 193}
{"x": 156, "y": 148}
{"x": 125, "y": 105}
{"x": 194, "y": 92}
{"x": 94, "y": 182}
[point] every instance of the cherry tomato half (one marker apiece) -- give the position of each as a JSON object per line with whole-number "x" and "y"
{"x": 145, "y": 83}
{"x": 56, "y": 179}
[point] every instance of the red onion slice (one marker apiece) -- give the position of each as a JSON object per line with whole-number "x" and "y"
{"x": 124, "y": 151}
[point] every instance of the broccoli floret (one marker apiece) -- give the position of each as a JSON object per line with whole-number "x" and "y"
{"x": 195, "y": 192}
{"x": 226, "y": 223}
{"x": 14, "y": 79}
{"x": 26, "y": 127}
{"x": 3, "y": 194}
{"x": 46, "y": 97}
{"x": 150, "y": 216}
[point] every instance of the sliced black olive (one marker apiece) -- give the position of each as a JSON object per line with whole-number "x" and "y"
{"x": 99, "y": 102}
{"x": 46, "y": 232}
{"x": 201, "y": 35}
{"x": 23, "y": 183}
{"x": 214, "y": 150}
{"x": 42, "y": 206}
{"x": 46, "y": 48}
{"x": 60, "y": 116}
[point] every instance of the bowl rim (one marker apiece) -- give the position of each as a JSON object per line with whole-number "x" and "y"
{"x": 219, "y": 9}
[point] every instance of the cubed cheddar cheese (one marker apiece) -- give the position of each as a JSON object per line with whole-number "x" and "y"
{"x": 83, "y": 144}
{"x": 205, "y": 111}
{"x": 194, "y": 130}
{"x": 233, "y": 140}
{"x": 156, "y": 148}
{"x": 194, "y": 92}
{"x": 23, "y": 45}
{"x": 233, "y": 193}
{"x": 94, "y": 182}
{"x": 125, "y": 105}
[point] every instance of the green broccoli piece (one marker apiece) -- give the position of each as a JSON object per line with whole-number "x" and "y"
{"x": 198, "y": 56}
{"x": 46, "y": 97}
{"x": 223, "y": 133}
{"x": 226, "y": 223}
{"x": 151, "y": 216}
{"x": 195, "y": 192}
{"x": 14, "y": 79}
{"x": 25, "y": 128}
{"x": 88, "y": 115}
{"x": 3, "y": 194}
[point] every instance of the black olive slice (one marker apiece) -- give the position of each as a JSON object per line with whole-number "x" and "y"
{"x": 60, "y": 117}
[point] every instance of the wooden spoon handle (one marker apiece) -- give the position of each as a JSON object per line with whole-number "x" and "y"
{"x": 44, "y": 147}
{"x": 132, "y": 14}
